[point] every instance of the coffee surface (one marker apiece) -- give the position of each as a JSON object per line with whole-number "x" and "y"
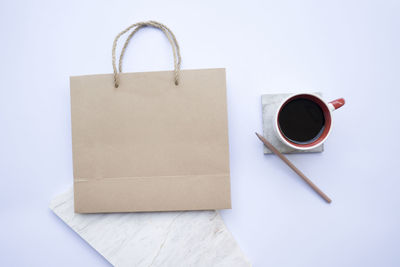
{"x": 301, "y": 120}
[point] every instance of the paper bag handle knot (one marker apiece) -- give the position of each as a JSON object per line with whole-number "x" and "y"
{"x": 137, "y": 27}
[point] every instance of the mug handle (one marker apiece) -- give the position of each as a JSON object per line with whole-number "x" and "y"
{"x": 335, "y": 104}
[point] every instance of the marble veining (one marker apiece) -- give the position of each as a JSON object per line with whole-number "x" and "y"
{"x": 188, "y": 238}
{"x": 270, "y": 104}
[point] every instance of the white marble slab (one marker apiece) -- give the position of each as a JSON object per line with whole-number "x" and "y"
{"x": 270, "y": 104}
{"x": 188, "y": 238}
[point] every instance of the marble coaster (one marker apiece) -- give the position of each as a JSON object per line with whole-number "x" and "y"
{"x": 270, "y": 104}
{"x": 188, "y": 238}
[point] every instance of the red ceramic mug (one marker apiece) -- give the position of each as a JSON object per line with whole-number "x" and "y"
{"x": 322, "y": 114}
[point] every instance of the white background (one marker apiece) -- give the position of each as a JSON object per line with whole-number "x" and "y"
{"x": 343, "y": 48}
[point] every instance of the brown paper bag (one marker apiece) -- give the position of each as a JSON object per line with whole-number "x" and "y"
{"x": 152, "y": 141}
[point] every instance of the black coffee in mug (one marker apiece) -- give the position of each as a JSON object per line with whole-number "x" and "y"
{"x": 301, "y": 120}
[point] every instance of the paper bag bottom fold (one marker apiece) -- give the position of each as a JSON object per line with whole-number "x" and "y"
{"x": 166, "y": 193}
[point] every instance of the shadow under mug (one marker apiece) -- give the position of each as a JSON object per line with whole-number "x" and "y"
{"x": 327, "y": 109}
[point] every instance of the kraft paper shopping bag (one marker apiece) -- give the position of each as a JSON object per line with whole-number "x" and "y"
{"x": 151, "y": 141}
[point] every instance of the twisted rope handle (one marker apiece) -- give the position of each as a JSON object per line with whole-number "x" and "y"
{"x": 137, "y": 26}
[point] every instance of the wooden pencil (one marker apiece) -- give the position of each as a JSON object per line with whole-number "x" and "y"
{"x": 294, "y": 168}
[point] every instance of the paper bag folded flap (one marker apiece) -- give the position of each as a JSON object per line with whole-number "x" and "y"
{"x": 201, "y": 192}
